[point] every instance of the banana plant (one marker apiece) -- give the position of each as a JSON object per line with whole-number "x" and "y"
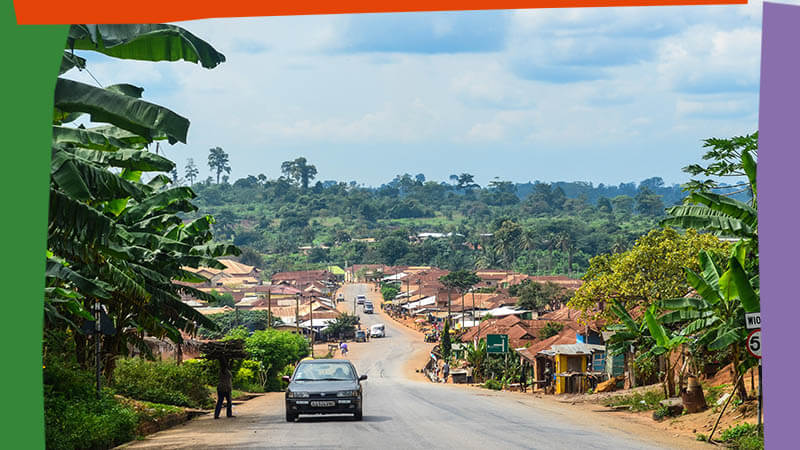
{"x": 666, "y": 341}
{"x": 718, "y": 213}
{"x": 113, "y": 237}
{"x": 715, "y": 318}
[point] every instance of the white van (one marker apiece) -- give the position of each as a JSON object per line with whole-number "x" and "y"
{"x": 377, "y": 330}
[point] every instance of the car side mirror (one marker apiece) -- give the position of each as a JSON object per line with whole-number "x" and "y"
{"x": 286, "y": 378}
{"x": 362, "y": 378}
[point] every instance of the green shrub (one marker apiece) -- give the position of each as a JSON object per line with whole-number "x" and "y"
{"x": 649, "y": 400}
{"x": 207, "y": 369}
{"x": 74, "y": 417}
{"x": 162, "y": 382}
{"x": 88, "y": 423}
{"x": 744, "y": 436}
{"x": 493, "y": 384}
{"x": 661, "y": 413}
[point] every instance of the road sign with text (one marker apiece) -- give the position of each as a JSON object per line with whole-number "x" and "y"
{"x": 496, "y": 343}
{"x": 754, "y": 343}
{"x": 752, "y": 320}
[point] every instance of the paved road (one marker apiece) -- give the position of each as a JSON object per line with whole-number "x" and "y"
{"x": 403, "y": 413}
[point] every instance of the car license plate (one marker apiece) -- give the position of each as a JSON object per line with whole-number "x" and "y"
{"x": 323, "y": 403}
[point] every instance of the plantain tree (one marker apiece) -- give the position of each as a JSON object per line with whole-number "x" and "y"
{"x": 715, "y": 317}
{"x": 115, "y": 232}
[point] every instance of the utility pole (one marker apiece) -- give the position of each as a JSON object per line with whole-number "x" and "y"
{"x": 297, "y": 313}
{"x": 448, "y": 308}
{"x": 463, "y": 314}
{"x": 760, "y": 395}
{"x": 472, "y": 289}
{"x": 97, "y": 353}
{"x": 311, "y": 311}
{"x": 269, "y": 307}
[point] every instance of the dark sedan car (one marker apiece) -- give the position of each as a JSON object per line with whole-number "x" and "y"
{"x": 324, "y": 386}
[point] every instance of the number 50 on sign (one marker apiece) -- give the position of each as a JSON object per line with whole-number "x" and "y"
{"x": 754, "y": 343}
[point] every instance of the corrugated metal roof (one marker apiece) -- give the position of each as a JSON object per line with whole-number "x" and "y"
{"x": 574, "y": 349}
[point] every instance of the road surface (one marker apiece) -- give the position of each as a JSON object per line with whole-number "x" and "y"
{"x": 400, "y": 412}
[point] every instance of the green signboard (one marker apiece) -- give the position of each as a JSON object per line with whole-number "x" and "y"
{"x": 497, "y": 343}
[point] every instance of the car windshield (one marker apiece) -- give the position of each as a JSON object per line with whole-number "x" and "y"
{"x": 324, "y": 372}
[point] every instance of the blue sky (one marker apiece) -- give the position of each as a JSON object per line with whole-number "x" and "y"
{"x": 599, "y": 94}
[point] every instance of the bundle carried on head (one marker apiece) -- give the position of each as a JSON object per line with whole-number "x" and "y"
{"x": 230, "y": 349}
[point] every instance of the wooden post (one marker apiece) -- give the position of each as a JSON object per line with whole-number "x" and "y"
{"x": 311, "y": 312}
{"x": 760, "y": 396}
{"x": 297, "y": 313}
{"x": 733, "y": 394}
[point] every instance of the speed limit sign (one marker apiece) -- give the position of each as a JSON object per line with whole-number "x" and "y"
{"x": 754, "y": 343}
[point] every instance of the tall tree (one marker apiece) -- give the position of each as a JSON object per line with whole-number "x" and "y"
{"x": 466, "y": 182}
{"x": 651, "y": 271}
{"x": 191, "y": 171}
{"x": 300, "y": 171}
{"x": 218, "y": 161}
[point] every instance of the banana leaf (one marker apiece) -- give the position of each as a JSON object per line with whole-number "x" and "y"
{"x": 705, "y": 218}
{"x": 81, "y": 137}
{"x": 750, "y": 300}
{"x": 126, "y": 89}
{"x": 70, "y": 60}
{"x": 749, "y": 166}
{"x": 656, "y": 329}
{"x": 131, "y": 140}
{"x": 81, "y": 180}
{"x": 727, "y": 337}
{"x": 707, "y": 291}
{"x": 90, "y": 287}
{"x": 145, "y": 42}
{"x": 136, "y": 160}
{"x": 137, "y": 116}
{"x": 732, "y": 207}
{"x": 157, "y": 203}
{"x": 216, "y": 250}
{"x": 71, "y": 219}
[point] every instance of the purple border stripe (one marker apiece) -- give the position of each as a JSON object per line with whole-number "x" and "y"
{"x": 779, "y": 114}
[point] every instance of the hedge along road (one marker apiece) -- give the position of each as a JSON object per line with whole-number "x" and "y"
{"x": 402, "y": 410}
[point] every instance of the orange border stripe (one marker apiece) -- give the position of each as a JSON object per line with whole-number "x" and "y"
{"x": 49, "y": 12}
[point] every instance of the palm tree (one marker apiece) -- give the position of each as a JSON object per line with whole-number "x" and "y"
{"x": 218, "y": 161}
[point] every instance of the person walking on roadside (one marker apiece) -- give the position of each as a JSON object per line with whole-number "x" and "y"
{"x": 224, "y": 388}
{"x": 343, "y": 348}
{"x": 445, "y": 371}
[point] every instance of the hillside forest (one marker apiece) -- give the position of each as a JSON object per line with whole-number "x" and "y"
{"x": 293, "y": 222}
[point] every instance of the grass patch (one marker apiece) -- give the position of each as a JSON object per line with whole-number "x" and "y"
{"x": 646, "y": 401}
{"x": 744, "y": 436}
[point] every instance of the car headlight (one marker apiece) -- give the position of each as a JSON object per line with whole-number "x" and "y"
{"x": 347, "y": 394}
{"x": 298, "y": 394}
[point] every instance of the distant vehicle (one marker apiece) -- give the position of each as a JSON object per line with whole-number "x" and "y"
{"x": 361, "y": 336}
{"x": 368, "y": 308}
{"x": 377, "y": 330}
{"x": 324, "y": 386}
{"x": 361, "y": 299}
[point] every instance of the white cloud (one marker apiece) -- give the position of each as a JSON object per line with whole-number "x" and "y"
{"x": 705, "y": 59}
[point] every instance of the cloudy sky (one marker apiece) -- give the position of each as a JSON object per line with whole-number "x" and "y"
{"x": 603, "y": 95}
